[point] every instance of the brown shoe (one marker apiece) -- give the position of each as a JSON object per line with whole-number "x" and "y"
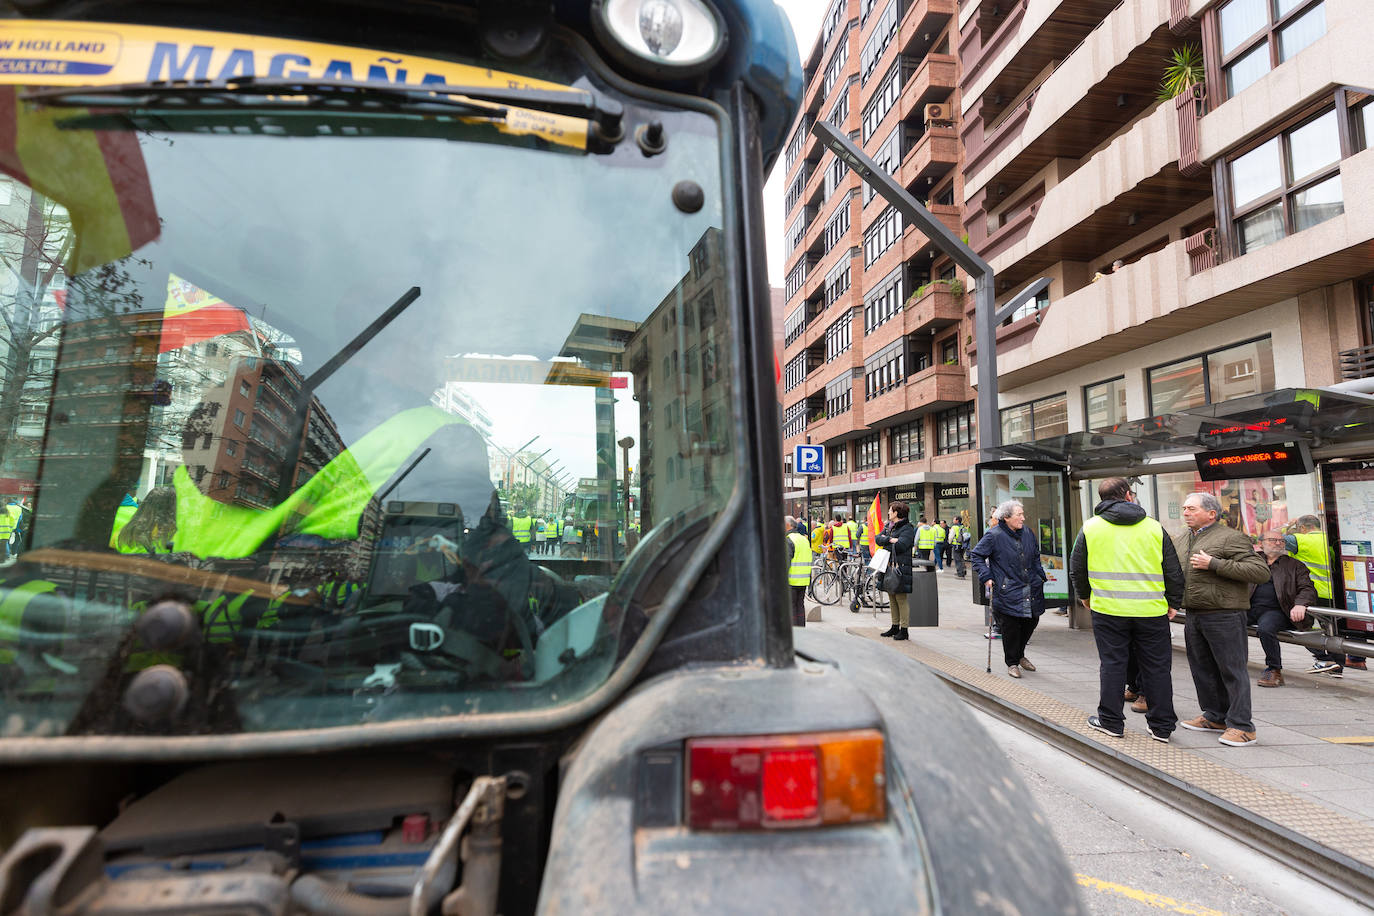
{"x": 1140, "y": 705}
{"x": 1131, "y": 695}
{"x": 1014, "y": 671}
{"x": 1272, "y": 677}
{"x": 1203, "y": 724}
{"x": 1234, "y": 737}
{"x": 1025, "y": 663}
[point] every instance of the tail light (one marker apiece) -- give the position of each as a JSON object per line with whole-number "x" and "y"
{"x": 779, "y": 781}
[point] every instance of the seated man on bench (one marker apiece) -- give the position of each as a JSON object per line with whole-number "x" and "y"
{"x": 1280, "y": 604}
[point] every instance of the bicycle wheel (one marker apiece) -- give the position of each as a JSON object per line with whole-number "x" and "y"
{"x": 872, "y": 595}
{"x": 826, "y": 587}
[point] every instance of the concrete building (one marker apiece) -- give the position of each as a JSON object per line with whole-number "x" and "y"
{"x": 1207, "y": 253}
{"x": 877, "y": 326}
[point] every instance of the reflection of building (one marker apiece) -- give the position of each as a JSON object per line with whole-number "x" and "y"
{"x": 679, "y": 358}
{"x": 454, "y": 399}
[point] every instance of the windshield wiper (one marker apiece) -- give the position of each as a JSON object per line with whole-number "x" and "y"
{"x": 255, "y": 92}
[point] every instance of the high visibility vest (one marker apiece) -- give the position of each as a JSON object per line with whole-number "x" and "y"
{"x": 839, "y": 536}
{"x": 956, "y": 535}
{"x": 125, "y": 512}
{"x": 817, "y": 538}
{"x": 799, "y": 572}
{"x": 1126, "y": 567}
{"x": 925, "y": 538}
{"x": 863, "y": 534}
{"x": 853, "y": 527}
{"x": 7, "y": 523}
{"x": 1312, "y": 553}
{"x": 522, "y": 525}
{"x": 939, "y": 534}
{"x": 558, "y": 528}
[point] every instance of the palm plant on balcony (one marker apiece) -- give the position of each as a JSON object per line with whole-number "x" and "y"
{"x": 1184, "y": 72}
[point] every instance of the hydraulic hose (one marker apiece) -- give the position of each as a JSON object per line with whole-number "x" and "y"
{"x": 325, "y": 898}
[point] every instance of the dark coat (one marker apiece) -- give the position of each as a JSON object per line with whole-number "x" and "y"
{"x": 1293, "y": 585}
{"x": 899, "y": 539}
{"x": 1010, "y": 560}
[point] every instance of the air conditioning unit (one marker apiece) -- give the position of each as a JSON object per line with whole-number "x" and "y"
{"x": 937, "y": 112}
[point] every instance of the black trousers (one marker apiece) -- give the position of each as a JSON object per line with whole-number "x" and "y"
{"x": 798, "y": 605}
{"x": 1269, "y": 622}
{"x": 1145, "y": 641}
{"x": 1218, "y": 648}
{"x": 1016, "y": 633}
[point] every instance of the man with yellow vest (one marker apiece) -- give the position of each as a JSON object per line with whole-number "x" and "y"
{"x": 853, "y": 527}
{"x": 941, "y": 539}
{"x": 839, "y": 533}
{"x": 8, "y": 523}
{"x": 956, "y": 546}
{"x": 522, "y": 525}
{"x": 1125, "y": 570}
{"x": 925, "y": 540}
{"x": 820, "y": 535}
{"x": 798, "y": 569}
{"x": 1307, "y": 544}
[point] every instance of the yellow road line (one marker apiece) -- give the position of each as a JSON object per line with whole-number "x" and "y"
{"x": 1155, "y": 900}
{"x": 1353, "y": 739}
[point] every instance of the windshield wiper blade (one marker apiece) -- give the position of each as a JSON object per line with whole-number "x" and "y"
{"x": 251, "y": 92}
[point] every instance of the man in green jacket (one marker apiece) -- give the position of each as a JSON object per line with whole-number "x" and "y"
{"x": 1219, "y": 565}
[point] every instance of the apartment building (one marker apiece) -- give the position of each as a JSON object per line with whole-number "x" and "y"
{"x": 877, "y": 326}
{"x": 1210, "y": 255}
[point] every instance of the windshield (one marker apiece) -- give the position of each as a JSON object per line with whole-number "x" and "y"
{"x": 363, "y": 392}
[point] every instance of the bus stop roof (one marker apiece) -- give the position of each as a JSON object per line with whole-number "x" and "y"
{"x": 1318, "y": 416}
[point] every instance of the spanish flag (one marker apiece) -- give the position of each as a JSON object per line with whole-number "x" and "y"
{"x": 192, "y": 315}
{"x": 98, "y": 176}
{"x": 874, "y": 524}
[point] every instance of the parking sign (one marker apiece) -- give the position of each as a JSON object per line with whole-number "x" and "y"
{"x": 809, "y": 459}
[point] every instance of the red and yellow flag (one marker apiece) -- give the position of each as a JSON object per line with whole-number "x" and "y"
{"x": 874, "y": 524}
{"x": 98, "y": 175}
{"x": 192, "y": 315}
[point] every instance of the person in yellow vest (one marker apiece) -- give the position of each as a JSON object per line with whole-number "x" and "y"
{"x": 8, "y": 525}
{"x": 819, "y": 536}
{"x": 853, "y": 527}
{"x": 1125, "y": 570}
{"x": 925, "y": 539}
{"x": 941, "y": 539}
{"x": 522, "y": 526}
{"x": 153, "y": 526}
{"x": 1306, "y": 543}
{"x": 839, "y": 533}
{"x": 956, "y": 547}
{"x": 798, "y": 569}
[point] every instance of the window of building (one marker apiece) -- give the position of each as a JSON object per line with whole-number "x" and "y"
{"x": 889, "y": 155}
{"x": 1042, "y": 419}
{"x": 868, "y": 453}
{"x": 907, "y": 442}
{"x": 954, "y": 429}
{"x": 885, "y": 231}
{"x": 885, "y": 370}
{"x": 837, "y": 225}
{"x": 230, "y": 448}
{"x": 834, "y": 174}
{"x": 796, "y": 232}
{"x": 884, "y": 302}
{"x": 239, "y": 417}
{"x": 865, "y": 8}
{"x": 1287, "y": 184}
{"x": 837, "y": 282}
{"x": 838, "y": 337}
{"x": 878, "y": 41}
{"x": 794, "y": 324}
{"x": 840, "y": 111}
{"x": 796, "y": 278}
{"x": 838, "y": 394}
{"x": 1362, "y": 124}
{"x": 1104, "y": 404}
{"x": 838, "y": 459}
{"x": 223, "y": 480}
{"x": 949, "y": 351}
{"x": 1041, "y": 301}
{"x": 835, "y": 69}
{"x": 882, "y": 101}
{"x": 834, "y": 18}
{"x": 795, "y": 372}
{"x": 1210, "y": 378}
{"x": 1258, "y": 35}
{"x": 920, "y": 354}
{"x": 794, "y": 420}
{"x": 794, "y": 146}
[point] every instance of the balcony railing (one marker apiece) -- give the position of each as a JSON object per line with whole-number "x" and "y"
{"x": 1357, "y": 363}
{"x": 1190, "y": 106}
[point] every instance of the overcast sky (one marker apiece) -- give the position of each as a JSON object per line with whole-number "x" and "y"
{"x": 806, "y": 23}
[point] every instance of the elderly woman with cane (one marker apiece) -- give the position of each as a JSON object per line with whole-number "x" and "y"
{"x": 1007, "y": 563}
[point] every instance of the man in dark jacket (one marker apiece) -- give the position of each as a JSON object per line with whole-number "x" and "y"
{"x": 1219, "y": 566}
{"x": 1279, "y": 604}
{"x": 1124, "y": 569}
{"x": 899, "y": 537}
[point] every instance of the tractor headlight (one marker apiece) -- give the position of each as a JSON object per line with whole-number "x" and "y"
{"x": 661, "y": 37}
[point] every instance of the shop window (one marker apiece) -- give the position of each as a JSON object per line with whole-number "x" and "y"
{"x": 867, "y": 453}
{"x": 907, "y": 442}
{"x": 1104, "y": 404}
{"x": 1258, "y": 35}
{"x": 1213, "y": 377}
{"x": 1287, "y": 184}
{"x": 954, "y": 429}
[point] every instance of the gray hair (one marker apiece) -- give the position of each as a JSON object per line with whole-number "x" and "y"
{"x": 789, "y": 521}
{"x": 1005, "y": 510}
{"x": 1206, "y": 502}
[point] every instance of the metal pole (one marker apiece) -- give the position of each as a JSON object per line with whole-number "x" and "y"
{"x": 989, "y": 431}
{"x": 808, "y": 494}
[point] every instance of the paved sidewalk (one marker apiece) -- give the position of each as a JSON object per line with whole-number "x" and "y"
{"x": 1304, "y": 727}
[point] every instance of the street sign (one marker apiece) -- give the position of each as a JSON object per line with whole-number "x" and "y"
{"x": 809, "y": 459}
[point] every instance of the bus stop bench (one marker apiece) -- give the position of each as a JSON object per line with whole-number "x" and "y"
{"x": 1325, "y": 636}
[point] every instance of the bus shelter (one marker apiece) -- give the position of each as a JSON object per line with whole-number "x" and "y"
{"x": 1273, "y": 460}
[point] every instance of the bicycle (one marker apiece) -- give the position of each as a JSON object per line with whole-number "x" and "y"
{"x": 863, "y": 583}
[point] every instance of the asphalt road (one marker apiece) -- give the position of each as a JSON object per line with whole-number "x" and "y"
{"x": 1133, "y": 854}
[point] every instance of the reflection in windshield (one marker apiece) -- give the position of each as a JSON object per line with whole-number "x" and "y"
{"x": 447, "y": 521}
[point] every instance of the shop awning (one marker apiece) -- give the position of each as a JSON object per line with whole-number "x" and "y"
{"x": 1318, "y": 416}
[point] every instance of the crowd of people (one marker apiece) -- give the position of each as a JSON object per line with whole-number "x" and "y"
{"x": 1133, "y": 578}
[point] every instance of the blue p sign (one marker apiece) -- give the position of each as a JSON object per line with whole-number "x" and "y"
{"x": 809, "y": 459}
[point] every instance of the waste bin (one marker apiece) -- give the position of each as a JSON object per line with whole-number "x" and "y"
{"x": 925, "y": 594}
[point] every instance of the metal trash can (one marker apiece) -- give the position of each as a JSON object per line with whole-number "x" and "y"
{"x": 925, "y": 594}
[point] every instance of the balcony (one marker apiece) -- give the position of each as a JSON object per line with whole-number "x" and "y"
{"x": 936, "y": 388}
{"x": 931, "y": 158}
{"x": 916, "y": 245}
{"x": 931, "y": 310}
{"x": 934, "y": 81}
{"x": 923, "y": 18}
{"x": 1357, "y": 363}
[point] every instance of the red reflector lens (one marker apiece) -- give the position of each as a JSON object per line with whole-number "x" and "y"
{"x": 791, "y": 785}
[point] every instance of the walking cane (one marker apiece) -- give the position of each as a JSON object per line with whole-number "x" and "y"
{"x": 989, "y": 613}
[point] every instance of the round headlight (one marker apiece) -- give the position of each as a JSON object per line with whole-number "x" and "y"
{"x": 661, "y": 37}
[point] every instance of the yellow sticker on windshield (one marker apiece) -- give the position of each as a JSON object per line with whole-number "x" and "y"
{"x": 36, "y": 53}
